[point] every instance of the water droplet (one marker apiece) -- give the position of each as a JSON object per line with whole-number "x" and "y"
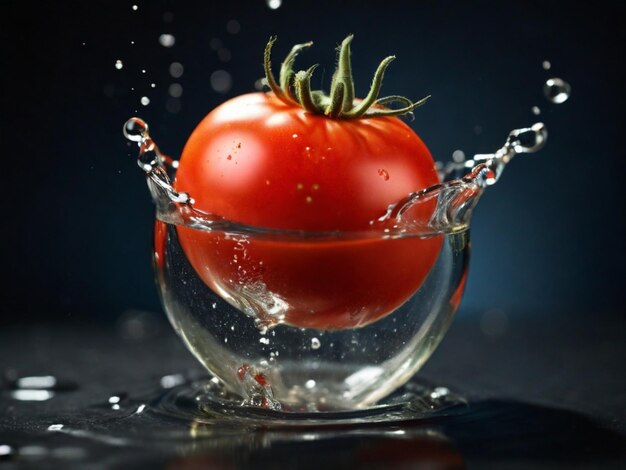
{"x": 274, "y": 4}
{"x": 546, "y": 65}
{"x": 40, "y": 383}
{"x": 528, "y": 140}
{"x": 458, "y": 156}
{"x": 143, "y": 70}
{"x": 439, "y": 392}
{"x": 233, "y": 27}
{"x": 557, "y": 90}
{"x": 224, "y": 55}
{"x": 175, "y": 90}
{"x": 173, "y": 105}
{"x": 153, "y": 85}
{"x": 55, "y": 427}
{"x": 264, "y": 340}
{"x": 221, "y": 81}
{"x": 259, "y": 84}
{"x": 310, "y": 384}
{"x": 215, "y": 44}
{"x": 119, "y": 65}
{"x": 167, "y": 40}
{"x": 145, "y": 100}
{"x": 135, "y": 129}
{"x": 536, "y": 111}
{"x": 135, "y": 8}
{"x": 315, "y": 343}
{"x": 5, "y": 450}
{"x": 170, "y": 381}
{"x": 384, "y": 173}
{"x": 32, "y": 395}
{"x": 176, "y": 69}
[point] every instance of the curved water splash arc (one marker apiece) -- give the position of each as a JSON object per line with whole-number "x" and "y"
{"x": 455, "y": 198}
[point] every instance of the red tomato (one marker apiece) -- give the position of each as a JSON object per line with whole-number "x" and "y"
{"x": 297, "y": 160}
{"x": 258, "y": 161}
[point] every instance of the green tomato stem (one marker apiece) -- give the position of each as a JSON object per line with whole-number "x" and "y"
{"x": 295, "y": 88}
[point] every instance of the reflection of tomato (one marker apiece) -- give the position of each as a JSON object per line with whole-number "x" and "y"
{"x": 260, "y": 161}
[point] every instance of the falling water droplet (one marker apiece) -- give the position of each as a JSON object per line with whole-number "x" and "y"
{"x": 167, "y": 40}
{"x": 221, "y": 81}
{"x": 458, "y": 156}
{"x": 145, "y": 100}
{"x": 135, "y": 8}
{"x": 310, "y": 384}
{"x": 557, "y": 90}
{"x": 315, "y": 343}
{"x": 536, "y": 111}
{"x": 119, "y": 65}
{"x": 546, "y": 65}
{"x": 528, "y": 140}
{"x": 135, "y": 129}
{"x": 175, "y": 90}
{"x": 176, "y": 69}
{"x": 233, "y": 27}
{"x": 274, "y": 4}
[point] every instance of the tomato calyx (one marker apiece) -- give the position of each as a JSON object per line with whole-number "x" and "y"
{"x": 295, "y": 88}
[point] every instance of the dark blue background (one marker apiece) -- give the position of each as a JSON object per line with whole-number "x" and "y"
{"x": 77, "y": 218}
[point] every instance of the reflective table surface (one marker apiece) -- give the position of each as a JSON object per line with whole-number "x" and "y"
{"x": 540, "y": 394}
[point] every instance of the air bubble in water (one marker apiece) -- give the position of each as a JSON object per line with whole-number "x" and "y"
{"x": 315, "y": 343}
{"x": 167, "y": 40}
{"x": 274, "y": 4}
{"x": 119, "y": 65}
{"x": 536, "y": 111}
{"x": 145, "y": 100}
{"x": 546, "y": 65}
{"x": 135, "y": 129}
{"x": 557, "y": 90}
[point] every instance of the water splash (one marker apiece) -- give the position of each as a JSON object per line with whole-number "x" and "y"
{"x": 256, "y": 389}
{"x": 454, "y": 198}
{"x": 444, "y": 208}
{"x": 557, "y": 90}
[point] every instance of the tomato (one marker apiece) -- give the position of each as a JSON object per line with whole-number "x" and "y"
{"x": 266, "y": 162}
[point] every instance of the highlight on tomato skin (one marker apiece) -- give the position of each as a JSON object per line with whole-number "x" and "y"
{"x": 293, "y": 159}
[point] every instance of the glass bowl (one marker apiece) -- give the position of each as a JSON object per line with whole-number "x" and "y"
{"x": 317, "y": 321}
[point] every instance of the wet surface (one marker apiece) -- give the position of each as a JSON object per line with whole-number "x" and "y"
{"x": 535, "y": 398}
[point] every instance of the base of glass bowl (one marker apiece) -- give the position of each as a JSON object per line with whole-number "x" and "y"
{"x": 208, "y": 402}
